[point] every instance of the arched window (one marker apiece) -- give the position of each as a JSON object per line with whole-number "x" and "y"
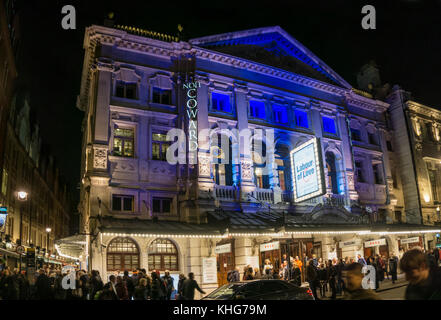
{"x": 222, "y": 160}
{"x": 259, "y": 164}
{"x": 332, "y": 172}
{"x": 283, "y": 167}
{"x": 163, "y": 255}
{"x": 122, "y": 254}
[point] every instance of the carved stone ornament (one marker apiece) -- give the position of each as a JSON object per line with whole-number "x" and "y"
{"x": 100, "y": 158}
{"x": 246, "y": 170}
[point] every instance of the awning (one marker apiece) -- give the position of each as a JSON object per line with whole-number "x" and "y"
{"x": 71, "y": 247}
{"x": 9, "y": 253}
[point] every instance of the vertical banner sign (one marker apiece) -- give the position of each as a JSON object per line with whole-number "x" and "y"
{"x": 3, "y": 217}
{"x": 30, "y": 264}
{"x": 307, "y": 171}
{"x": 192, "y": 113}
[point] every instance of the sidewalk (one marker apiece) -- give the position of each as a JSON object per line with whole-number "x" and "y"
{"x": 384, "y": 286}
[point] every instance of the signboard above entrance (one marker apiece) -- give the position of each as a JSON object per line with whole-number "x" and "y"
{"x": 224, "y": 248}
{"x": 375, "y": 243}
{"x": 269, "y": 246}
{"x": 410, "y": 240}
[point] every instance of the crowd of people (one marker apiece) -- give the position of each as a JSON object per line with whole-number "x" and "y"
{"x": 343, "y": 277}
{"x": 15, "y": 285}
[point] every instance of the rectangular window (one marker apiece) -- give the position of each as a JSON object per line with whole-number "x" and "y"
{"x": 301, "y": 118}
{"x": 280, "y": 114}
{"x": 372, "y": 138}
{"x": 394, "y": 178}
{"x": 159, "y": 146}
{"x": 359, "y": 171}
{"x": 433, "y": 184}
{"x": 398, "y": 216}
{"x": 257, "y": 109}
{"x": 220, "y": 102}
{"x": 162, "y": 96}
{"x": 125, "y": 90}
{"x": 378, "y": 176}
{"x": 123, "y": 142}
{"x": 355, "y": 134}
{"x": 122, "y": 203}
{"x": 329, "y": 125}
{"x": 162, "y": 205}
{"x": 389, "y": 145}
{"x": 4, "y": 181}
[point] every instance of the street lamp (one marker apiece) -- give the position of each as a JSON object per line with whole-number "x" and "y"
{"x": 22, "y": 196}
{"x": 48, "y": 230}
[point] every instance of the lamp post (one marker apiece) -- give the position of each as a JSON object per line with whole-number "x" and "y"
{"x": 22, "y": 196}
{"x": 48, "y": 230}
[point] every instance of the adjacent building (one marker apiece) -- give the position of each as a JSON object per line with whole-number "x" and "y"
{"x": 241, "y": 202}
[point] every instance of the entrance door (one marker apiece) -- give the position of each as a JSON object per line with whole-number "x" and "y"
{"x": 384, "y": 251}
{"x": 369, "y": 252}
{"x": 225, "y": 263}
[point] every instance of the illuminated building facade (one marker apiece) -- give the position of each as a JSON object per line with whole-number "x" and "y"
{"x": 140, "y": 211}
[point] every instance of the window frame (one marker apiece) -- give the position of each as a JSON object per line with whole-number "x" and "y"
{"x": 161, "y": 143}
{"x": 161, "y": 96}
{"x": 162, "y": 255}
{"x": 162, "y": 199}
{"x": 250, "y": 101}
{"x": 333, "y": 122}
{"x": 125, "y": 85}
{"x": 122, "y": 197}
{"x": 124, "y": 139}
{"x": 305, "y": 112}
{"x": 122, "y": 254}
{"x": 230, "y": 102}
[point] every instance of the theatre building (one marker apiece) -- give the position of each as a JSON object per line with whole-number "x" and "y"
{"x": 315, "y": 177}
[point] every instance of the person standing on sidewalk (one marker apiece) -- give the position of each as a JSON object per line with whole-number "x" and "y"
{"x": 312, "y": 278}
{"x": 393, "y": 266}
{"x": 424, "y": 281}
{"x": 353, "y": 277}
{"x": 189, "y": 286}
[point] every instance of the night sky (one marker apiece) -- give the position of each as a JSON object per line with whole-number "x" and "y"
{"x": 406, "y": 46}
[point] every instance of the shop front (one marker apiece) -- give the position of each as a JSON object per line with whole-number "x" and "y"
{"x": 348, "y": 248}
{"x": 224, "y": 251}
{"x": 378, "y": 246}
{"x": 275, "y": 250}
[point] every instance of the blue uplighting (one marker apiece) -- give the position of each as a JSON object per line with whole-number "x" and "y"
{"x": 301, "y": 119}
{"x": 220, "y": 102}
{"x": 280, "y": 114}
{"x": 329, "y": 125}
{"x": 257, "y": 109}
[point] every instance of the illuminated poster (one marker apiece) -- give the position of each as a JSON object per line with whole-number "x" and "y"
{"x": 307, "y": 171}
{"x": 3, "y": 216}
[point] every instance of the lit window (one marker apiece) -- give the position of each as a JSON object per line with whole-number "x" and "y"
{"x": 329, "y": 125}
{"x": 122, "y": 203}
{"x": 280, "y": 114}
{"x": 257, "y": 109}
{"x": 125, "y": 90}
{"x": 123, "y": 141}
{"x": 220, "y": 102}
{"x": 301, "y": 118}
{"x": 161, "y": 96}
{"x": 159, "y": 146}
{"x": 433, "y": 184}
{"x": 161, "y": 205}
{"x": 163, "y": 255}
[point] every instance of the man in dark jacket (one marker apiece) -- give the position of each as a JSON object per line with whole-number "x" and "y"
{"x": 331, "y": 274}
{"x": 168, "y": 280}
{"x": 353, "y": 277}
{"x": 312, "y": 278}
{"x": 43, "y": 286}
{"x": 393, "y": 266}
{"x": 129, "y": 284}
{"x": 233, "y": 275}
{"x": 9, "y": 286}
{"x": 189, "y": 286}
{"x": 424, "y": 281}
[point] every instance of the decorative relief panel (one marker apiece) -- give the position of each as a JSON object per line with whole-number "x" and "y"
{"x": 246, "y": 169}
{"x": 204, "y": 166}
{"x": 100, "y": 158}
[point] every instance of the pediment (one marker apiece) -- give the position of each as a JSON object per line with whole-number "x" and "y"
{"x": 274, "y": 47}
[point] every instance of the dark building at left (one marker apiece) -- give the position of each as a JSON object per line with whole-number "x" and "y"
{"x": 34, "y": 198}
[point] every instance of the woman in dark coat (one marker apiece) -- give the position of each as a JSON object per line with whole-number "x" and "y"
{"x": 156, "y": 292}
{"x": 121, "y": 289}
{"x": 296, "y": 274}
{"x": 312, "y": 278}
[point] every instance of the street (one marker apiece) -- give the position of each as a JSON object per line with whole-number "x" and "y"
{"x": 393, "y": 294}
